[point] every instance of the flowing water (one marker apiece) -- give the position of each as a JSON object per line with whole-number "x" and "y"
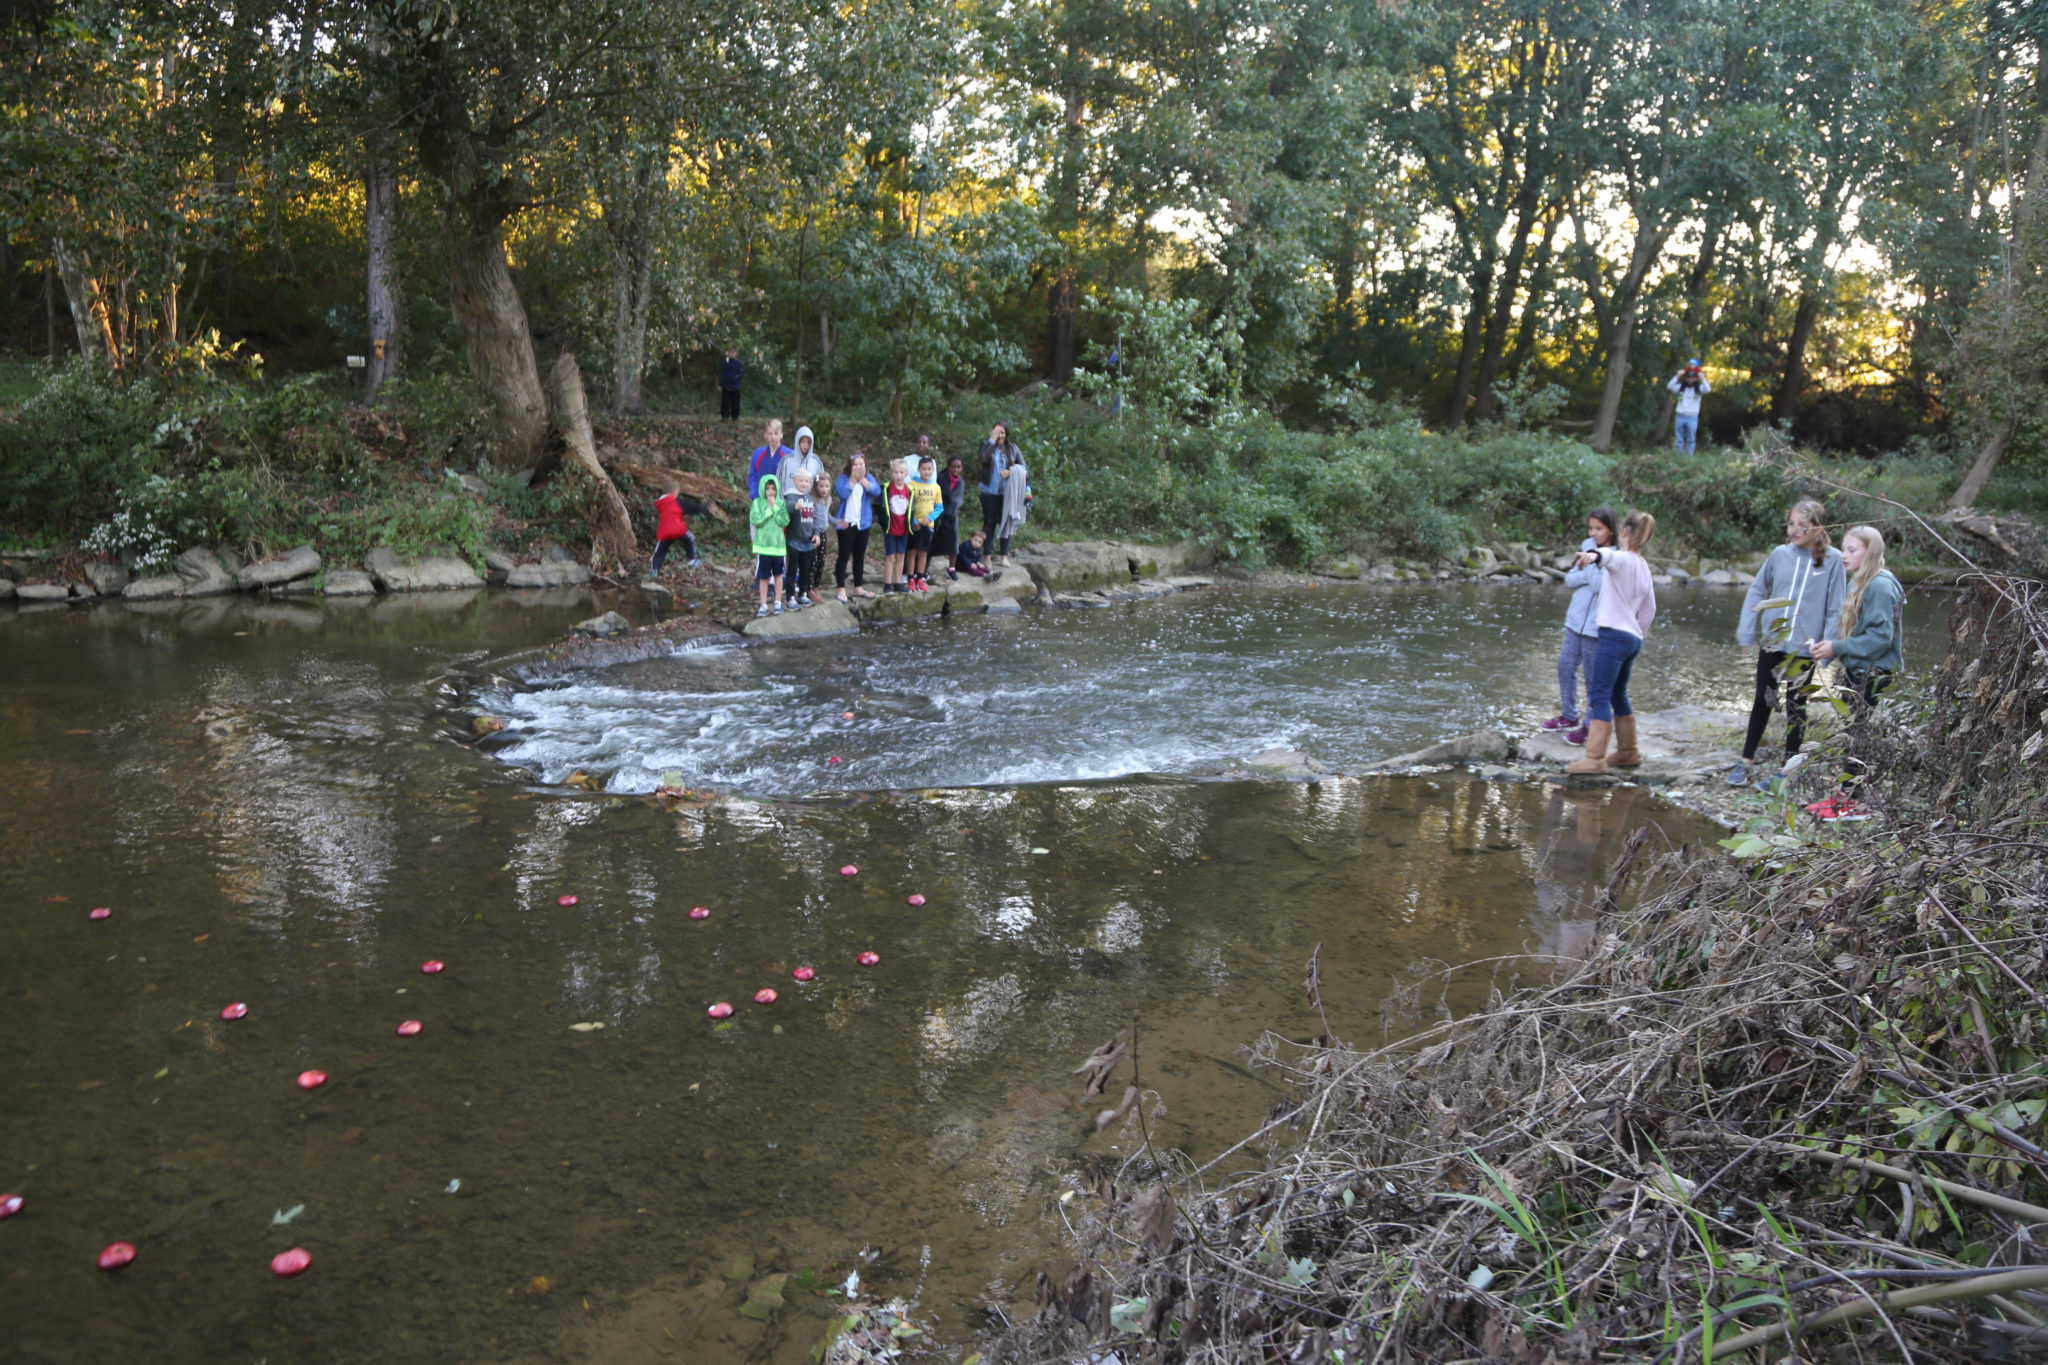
{"x": 265, "y": 799}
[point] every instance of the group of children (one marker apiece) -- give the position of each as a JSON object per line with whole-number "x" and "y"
{"x": 1809, "y": 604}
{"x": 792, "y": 504}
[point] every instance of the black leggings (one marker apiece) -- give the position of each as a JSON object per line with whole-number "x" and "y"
{"x": 800, "y": 569}
{"x": 991, "y": 515}
{"x": 1796, "y": 692}
{"x": 853, "y": 545}
{"x": 1865, "y": 691}
{"x": 688, "y": 542}
{"x": 729, "y": 404}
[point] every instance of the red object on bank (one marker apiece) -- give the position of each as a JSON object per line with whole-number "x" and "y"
{"x": 116, "y": 1255}
{"x": 721, "y": 1010}
{"x": 869, "y": 959}
{"x": 286, "y": 1264}
{"x": 433, "y": 966}
{"x": 312, "y": 1080}
{"x": 409, "y": 1028}
{"x": 234, "y": 1011}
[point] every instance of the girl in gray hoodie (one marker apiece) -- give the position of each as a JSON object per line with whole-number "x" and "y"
{"x": 1806, "y": 574}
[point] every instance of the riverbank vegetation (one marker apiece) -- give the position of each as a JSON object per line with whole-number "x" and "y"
{"x": 1797, "y": 1093}
{"x": 94, "y": 464}
{"x": 1281, "y": 240}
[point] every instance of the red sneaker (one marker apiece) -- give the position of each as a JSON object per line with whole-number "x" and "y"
{"x": 1824, "y": 809}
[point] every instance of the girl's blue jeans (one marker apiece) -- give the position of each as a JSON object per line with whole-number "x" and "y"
{"x": 1577, "y": 655}
{"x": 1607, "y": 679}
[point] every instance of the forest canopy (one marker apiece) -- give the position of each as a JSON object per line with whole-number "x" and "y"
{"x": 1474, "y": 211}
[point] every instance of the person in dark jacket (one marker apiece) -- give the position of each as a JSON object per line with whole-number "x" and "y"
{"x": 730, "y": 373}
{"x": 946, "y": 534}
{"x": 998, "y": 453}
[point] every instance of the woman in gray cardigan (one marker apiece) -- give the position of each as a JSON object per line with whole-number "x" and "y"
{"x": 1806, "y": 574}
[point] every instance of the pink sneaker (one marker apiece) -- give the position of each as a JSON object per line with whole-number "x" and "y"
{"x": 1577, "y": 736}
{"x": 1558, "y": 723}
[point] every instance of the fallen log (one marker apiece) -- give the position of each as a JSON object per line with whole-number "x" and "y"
{"x": 700, "y": 486}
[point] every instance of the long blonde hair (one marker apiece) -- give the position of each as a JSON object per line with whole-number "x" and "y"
{"x": 1870, "y": 568}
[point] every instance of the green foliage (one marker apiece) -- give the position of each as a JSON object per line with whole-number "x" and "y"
{"x": 77, "y": 440}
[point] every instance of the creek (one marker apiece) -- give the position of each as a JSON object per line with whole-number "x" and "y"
{"x": 266, "y": 799}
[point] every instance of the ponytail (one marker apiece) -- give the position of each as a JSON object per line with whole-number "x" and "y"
{"x": 1817, "y": 515}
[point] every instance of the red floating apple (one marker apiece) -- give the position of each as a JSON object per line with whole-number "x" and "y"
{"x": 101, "y": 913}
{"x": 433, "y": 966}
{"x": 565, "y": 900}
{"x": 312, "y": 1080}
{"x": 234, "y": 1011}
{"x": 846, "y": 715}
{"x": 286, "y": 1264}
{"x": 849, "y": 871}
{"x": 803, "y": 973}
{"x": 913, "y": 900}
{"x": 721, "y": 1010}
{"x": 409, "y": 1028}
{"x": 10, "y": 1204}
{"x": 700, "y": 912}
{"x": 764, "y": 996}
{"x": 116, "y": 1255}
{"x": 834, "y": 761}
{"x": 869, "y": 959}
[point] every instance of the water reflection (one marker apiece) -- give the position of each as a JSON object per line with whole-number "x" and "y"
{"x": 274, "y": 823}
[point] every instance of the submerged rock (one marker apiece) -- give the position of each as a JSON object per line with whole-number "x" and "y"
{"x": 611, "y": 623}
{"x": 1481, "y": 746}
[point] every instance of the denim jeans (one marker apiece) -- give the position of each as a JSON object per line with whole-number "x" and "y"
{"x": 1685, "y": 429}
{"x": 1576, "y": 655}
{"x": 1607, "y": 679}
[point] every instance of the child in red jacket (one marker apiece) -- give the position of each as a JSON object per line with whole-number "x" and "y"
{"x": 670, "y": 527}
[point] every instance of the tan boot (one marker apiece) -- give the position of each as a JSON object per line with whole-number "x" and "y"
{"x": 1595, "y": 761}
{"x": 1626, "y": 754}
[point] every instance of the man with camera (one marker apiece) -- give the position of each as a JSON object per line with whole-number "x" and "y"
{"x": 1690, "y": 385}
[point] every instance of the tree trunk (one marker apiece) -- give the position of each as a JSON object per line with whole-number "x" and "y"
{"x": 1617, "y": 372}
{"x": 1988, "y": 456}
{"x": 1062, "y": 296}
{"x": 613, "y": 548}
{"x": 2024, "y": 207}
{"x": 1539, "y": 289}
{"x": 1468, "y": 345}
{"x": 500, "y": 342}
{"x": 380, "y": 231}
{"x": 1792, "y": 383}
{"x": 90, "y": 317}
{"x": 1504, "y": 305}
{"x": 803, "y": 241}
{"x": 1626, "y": 304}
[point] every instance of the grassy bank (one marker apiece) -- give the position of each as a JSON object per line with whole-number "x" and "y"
{"x": 218, "y": 456}
{"x": 1800, "y": 1090}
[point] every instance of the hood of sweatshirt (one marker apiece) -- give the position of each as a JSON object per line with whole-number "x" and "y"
{"x": 804, "y": 434}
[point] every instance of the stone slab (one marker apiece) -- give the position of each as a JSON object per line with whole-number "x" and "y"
{"x": 826, "y": 618}
{"x": 279, "y": 570}
{"x": 202, "y": 574}
{"x": 1481, "y": 746}
{"x": 552, "y": 573}
{"x": 350, "y": 583}
{"x": 107, "y": 578}
{"x": 428, "y": 573}
{"x": 43, "y": 592}
{"x": 152, "y": 588}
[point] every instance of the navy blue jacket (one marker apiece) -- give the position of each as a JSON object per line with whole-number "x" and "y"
{"x": 730, "y": 373}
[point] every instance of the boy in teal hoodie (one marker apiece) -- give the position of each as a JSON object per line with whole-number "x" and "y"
{"x": 768, "y": 514}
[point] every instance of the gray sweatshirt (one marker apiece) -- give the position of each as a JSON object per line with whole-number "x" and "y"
{"x": 1816, "y": 600}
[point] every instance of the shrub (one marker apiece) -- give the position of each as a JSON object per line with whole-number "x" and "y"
{"x": 78, "y": 440}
